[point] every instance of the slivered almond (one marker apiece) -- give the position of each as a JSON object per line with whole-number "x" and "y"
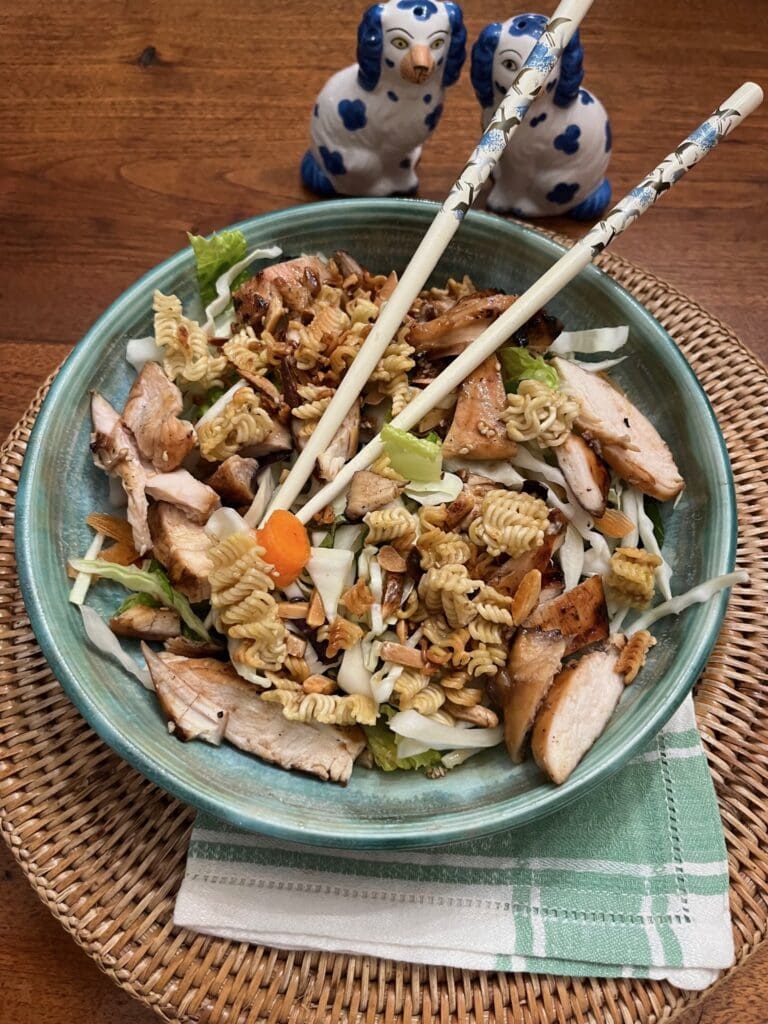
{"x": 315, "y": 611}
{"x": 358, "y": 599}
{"x": 292, "y": 609}
{"x": 295, "y": 645}
{"x": 318, "y": 684}
{"x": 526, "y": 596}
{"x": 399, "y": 654}
{"x": 120, "y": 554}
{"x": 111, "y": 526}
{"x": 402, "y": 631}
{"x": 391, "y": 560}
{"x": 614, "y": 524}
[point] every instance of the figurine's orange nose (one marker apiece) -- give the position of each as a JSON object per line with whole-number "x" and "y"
{"x": 418, "y": 64}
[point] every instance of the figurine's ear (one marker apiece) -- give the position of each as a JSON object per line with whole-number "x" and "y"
{"x": 482, "y": 63}
{"x": 457, "y": 51}
{"x": 370, "y": 43}
{"x": 571, "y": 73}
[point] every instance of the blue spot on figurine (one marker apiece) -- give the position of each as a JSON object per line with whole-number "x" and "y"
{"x": 568, "y": 142}
{"x": 557, "y": 160}
{"x": 369, "y": 123}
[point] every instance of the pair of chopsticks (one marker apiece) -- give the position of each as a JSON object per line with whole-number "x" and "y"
{"x": 510, "y": 113}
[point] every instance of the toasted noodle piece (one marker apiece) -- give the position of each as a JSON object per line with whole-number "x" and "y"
{"x": 614, "y": 524}
{"x": 318, "y": 684}
{"x": 451, "y": 332}
{"x": 111, "y": 526}
{"x": 144, "y": 623}
{"x": 340, "y": 635}
{"x": 486, "y": 659}
{"x": 409, "y": 683}
{"x": 240, "y": 424}
{"x": 235, "y": 480}
{"x": 633, "y": 654}
{"x": 383, "y": 467}
{"x": 427, "y": 701}
{"x": 540, "y": 413}
{"x": 315, "y": 611}
{"x": 120, "y": 554}
{"x": 580, "y": 615}
{"x": 295, "y": 666}
{"x": 464, "y": 696}
{"x": 193, "y": 692}
{"x": 395, "y": 525}
{"x": 631, "y": 578}
{"x": 184, "y": 548}
{"x": 325, "y": 708}
{"x": 485, "y": 718}
{"x": 478, "y": 430}
{"x": 510, "y": 522}
{"x": 445, "y": 589}
{"x": 187, "y": 357}
{"x": 526, "y": 596}
{"x": 534, "y": 661}
{"x": 576, "y": 710}
{"x": 251, "y": 356}
{"x": 114, "y": 450}
{"x": 391, "y": 560}
{"x": 508, "y": 577}
{"x": 585, "y": 472}
{"x": 292, "y": 609}
{"x": 628, "y": 442}
{"x": 368, "y": 492}
{"x": 358, "y": 599}
{"x": 397, "y": 654}
{"x": 151, "y": 413}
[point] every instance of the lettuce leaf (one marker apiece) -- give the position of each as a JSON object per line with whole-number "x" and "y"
{"x": 384, "y": 749}
{"x": 213, "y": 256}
{"x": 518, "y": 364}
{"x": 152, "y": 581}
{"x": 145, "y": 600}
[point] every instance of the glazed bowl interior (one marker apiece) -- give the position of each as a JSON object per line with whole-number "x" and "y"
{"x": 60, "y": 486}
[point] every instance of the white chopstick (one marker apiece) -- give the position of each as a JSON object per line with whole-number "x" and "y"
{"x": 637, "y": 201}
{"x": 510, "y": 113}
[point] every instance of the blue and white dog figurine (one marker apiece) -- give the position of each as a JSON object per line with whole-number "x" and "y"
{"x": 556, "y": 162}
{"x": 370, "y": 120}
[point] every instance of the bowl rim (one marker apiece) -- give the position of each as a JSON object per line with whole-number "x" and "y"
{"x": 454, "y": 825}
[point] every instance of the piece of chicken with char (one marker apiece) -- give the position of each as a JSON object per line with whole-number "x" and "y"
{"x": 182, "y": 546}
{"x": 152, "y": 415}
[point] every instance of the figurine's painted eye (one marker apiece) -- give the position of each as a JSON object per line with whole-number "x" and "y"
{"x": 400, "y": 43}
{"x": 437, "y": 43}
{"x": 509, "y": 64}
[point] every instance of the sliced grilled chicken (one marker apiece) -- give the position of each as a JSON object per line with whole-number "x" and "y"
{"x": 508, "y": 576}
{"x": 477, "y": 430}
{"x": 451, "y": 332}
{"x": 182, "y": 489}
{"x": 235, "y": 480}
{"x": 295, "y": 282}
{"x": 586, "y": 474}
{"x": 534, "y": 661}
{"x": 342, "y": 447}
{"x": 114, "y": 450}
{"x": 538, "y": 333}
{"x": 144, "y": 623}
{"x": 628, "y": 442}
{"x": 182, "y": 546}
{"x": 277, "y": 440}
{"x": 206, "y": 699}
{"x": 580, "y": 615}
{"x": 152, "y": 415}
{"x": 575, "y": 712}
{"x": 369, "y": 491}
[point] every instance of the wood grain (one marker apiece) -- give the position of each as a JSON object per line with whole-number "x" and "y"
{"x": 125, "y": 124}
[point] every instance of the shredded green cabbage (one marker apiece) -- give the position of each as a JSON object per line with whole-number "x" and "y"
{"x": 415, "y": 458}
{"x": 213, "y": 256}
{"x": 383, "y": 746}
{"x": 152, "y": 581}
{"x": 518, "y": 364}
{"x": 145, "y": 600}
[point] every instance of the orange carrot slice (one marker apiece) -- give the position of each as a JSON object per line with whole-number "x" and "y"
{"x": 286, "y": 545}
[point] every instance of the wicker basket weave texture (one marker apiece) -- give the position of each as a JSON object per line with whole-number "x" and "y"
{"x": 104, "y": 849}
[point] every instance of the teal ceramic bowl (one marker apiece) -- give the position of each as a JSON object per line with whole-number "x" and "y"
{"x": 59, "y": 486}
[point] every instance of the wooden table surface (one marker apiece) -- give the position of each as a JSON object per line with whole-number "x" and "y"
{"x": 123, "y": 125}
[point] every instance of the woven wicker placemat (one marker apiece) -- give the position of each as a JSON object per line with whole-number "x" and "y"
{"x": 104, "y": 849}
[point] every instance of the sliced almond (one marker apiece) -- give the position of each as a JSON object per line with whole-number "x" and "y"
{"x": 295, "y": 645}
{"x": 402, "y": 630}
{"x": 358, "y": 599}
{"x": 399, "y": 654}
{"x": 614, "y": 524}
{"x": 526, "y": 596}
{"x": 315, "y": 611}
{"x": 391, "y": 560}
{"x": 318, "y": 684}
{"x": 292, "y": 609}
{"x": 120, "y": 554}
